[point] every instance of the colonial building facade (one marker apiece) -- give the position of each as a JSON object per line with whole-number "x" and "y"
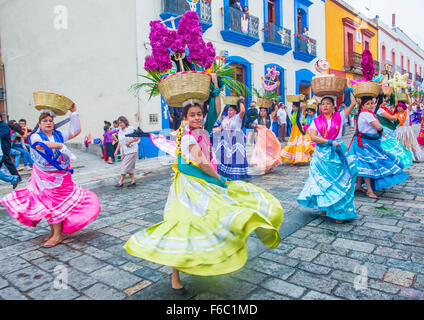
{"x": 399, "y": 53}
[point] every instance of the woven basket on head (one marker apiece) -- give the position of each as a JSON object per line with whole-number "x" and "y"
{"x": 230, "y": 100}
{"x": 402, "y": 97}
{"x": 182, "y": 86}
{"x": 52, "y": 101}
{"x": 328, "y": 86}
{"x": 293, "y": 98}
{"x": 366, "y": 88}
{"x": 266, "y": 103}
{"x": 388, "y": 91}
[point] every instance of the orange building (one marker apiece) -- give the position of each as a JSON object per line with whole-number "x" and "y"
{"x": 348, "y": 34}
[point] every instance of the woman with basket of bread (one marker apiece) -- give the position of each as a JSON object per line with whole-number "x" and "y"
{"x": 51, "y": 193}
{"x": 207, "y": 217}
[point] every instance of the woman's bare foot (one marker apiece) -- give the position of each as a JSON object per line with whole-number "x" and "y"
{"x": 371, "y": 194}
{"x": 323, "y": 213}
{"x": 175, "y": 281}
{"x": 49, "y": 236}
{"x": 339, "y": 221}
{"x": 53, "y": 241}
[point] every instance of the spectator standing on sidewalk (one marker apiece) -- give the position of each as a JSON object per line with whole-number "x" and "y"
{"x": 129, "y": 148}
{"x": 282, "y": 122}
{"x": 6, "y": 145}
{"x": 108, "y": 140}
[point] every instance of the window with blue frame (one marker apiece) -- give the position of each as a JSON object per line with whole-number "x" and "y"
{"x": 277, "y": 38}
{"x": 240, "y": 26}
{"x": 305, "y": 46}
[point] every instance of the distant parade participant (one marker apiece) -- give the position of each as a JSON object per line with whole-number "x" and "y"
{"x": 389, "y": 142}
{"x": 404, "y": 131}
{"x": 379, "y": 169}
{"x": 299, "y": 148}
{"x": 331, "y": 183}
{"x": 51, "y": 193}
{"x": 207, "y": 217}
{"x": 266, "y": 154}
{"x": 230, "y": 145}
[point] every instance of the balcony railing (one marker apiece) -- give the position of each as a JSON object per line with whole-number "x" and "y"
{"x": 179, "y": 7}
{"x": 234, "y": 20}
{"x": 353, "y": 63}
{"x": 305, "y": 44}
{"x": 410, "y": 75}
{"x": 419, "y": 79}
{"x": 278, "y": 35}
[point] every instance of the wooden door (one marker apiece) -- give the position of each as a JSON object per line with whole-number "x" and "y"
{"x": 239, "y": 75}
{"x": 271, "y": 11}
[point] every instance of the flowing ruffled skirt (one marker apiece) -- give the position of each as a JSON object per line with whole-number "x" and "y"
{"x": 299, "y": 148}
{"x": 405, "y": 134}
{"x": 393, "y": 146}
{"x": 230, "y": 150}
{"x": 331, "y": 183}
{"x": 420, "y": 138}
{"x": 205, "y": 226}
{"x": 266, "y": 154}
{"x": 385, "y": 169}
{"x": 55, "y": 197}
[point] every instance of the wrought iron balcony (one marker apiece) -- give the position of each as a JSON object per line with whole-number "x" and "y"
{"x": 419, "y": 78}
{"x": 240, "y": 28}
{"x": 410, "y": 75}
{"x": 175, "y": 8}
{"x": 277, "y": 39}
{"x": 305, "y": 48}
{"x": 353, "y": 63}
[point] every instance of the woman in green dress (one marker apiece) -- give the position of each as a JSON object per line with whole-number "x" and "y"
{"x": 207, "y": 218}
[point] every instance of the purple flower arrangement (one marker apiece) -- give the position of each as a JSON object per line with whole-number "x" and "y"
{"x": 189, "y": 34}
{"x": 367, "y": 65}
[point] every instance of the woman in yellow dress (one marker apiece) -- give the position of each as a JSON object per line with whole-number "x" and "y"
{"x": 207, "y": 217}
{"x": 299, "y": 148}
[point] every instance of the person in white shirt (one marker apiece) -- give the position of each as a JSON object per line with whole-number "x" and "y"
{"x": 128, "y": 147}
{"x": 282, "y": 122}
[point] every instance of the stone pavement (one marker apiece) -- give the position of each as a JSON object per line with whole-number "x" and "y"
{"x": 380, "y": 255}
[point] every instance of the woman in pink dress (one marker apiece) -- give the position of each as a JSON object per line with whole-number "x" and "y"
{"x": 51, "y": 193}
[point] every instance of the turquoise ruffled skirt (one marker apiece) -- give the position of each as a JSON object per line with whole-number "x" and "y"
{"x": 372, "y": 161}
{"x": 331, "y": 183}
{"x": 393, "y": 146}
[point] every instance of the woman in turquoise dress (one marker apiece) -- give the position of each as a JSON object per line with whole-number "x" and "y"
{"x": 207, "y": 217}
{"x": 331, "y": 183}
{"x": 389, "y": 142}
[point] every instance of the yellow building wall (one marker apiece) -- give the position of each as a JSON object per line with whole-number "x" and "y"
{"x": 335, "y": 49}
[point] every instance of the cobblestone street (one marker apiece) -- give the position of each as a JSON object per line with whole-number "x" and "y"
{"x": 380, "y": 255}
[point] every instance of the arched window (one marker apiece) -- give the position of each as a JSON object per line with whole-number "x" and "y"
{"x": 383, "y": 54}
{"x": 393, "y": 60}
